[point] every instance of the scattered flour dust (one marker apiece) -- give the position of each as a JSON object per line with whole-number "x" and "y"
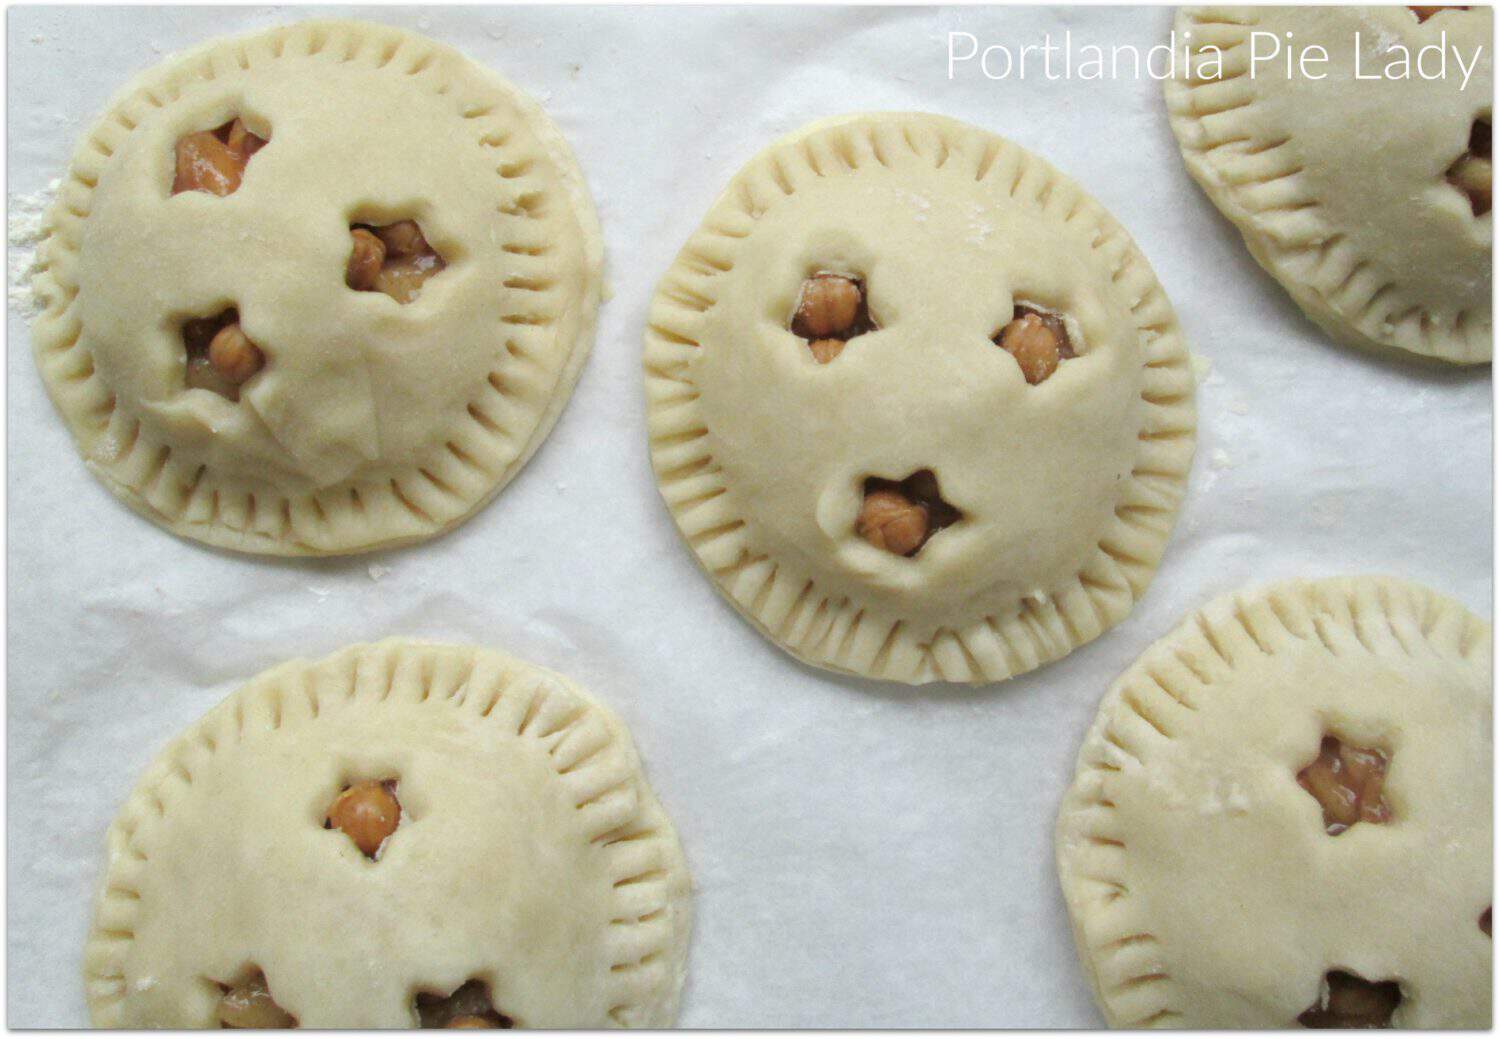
{"x": 26, "y": 226}
{"x": 921, "y": 203}
{"x": 979, "y": 228}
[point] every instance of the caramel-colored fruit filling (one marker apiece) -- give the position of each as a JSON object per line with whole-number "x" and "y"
{"x": 1038, "y": 341}
{"x": 220, "y": 357}
{"x": 214, "y": 160}
{"x": 1348, "y": 1001}
{"x": 368, "y": 812}
{"x": 901, "y": 517}
{"x": 825, "y": 350}
{"x": 892, "y": 521}
{"x": 831, "y": 310}
{"x": 468, "y": 1007}
{"x": 391, "y": 258}
{"x": 1471, "y": 172}
{"x": 1346, "y": 781}
{"x": 249, "y": 1005}
{"x": 1424, "y": 13}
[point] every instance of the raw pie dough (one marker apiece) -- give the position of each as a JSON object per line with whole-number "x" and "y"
{"x": 373, "y": 422}
{"x": 1067, "y": 489}
{"x": 530, "y": 854}
{"x": 1203, "y": 888}
{"x": 1339, "y": 186}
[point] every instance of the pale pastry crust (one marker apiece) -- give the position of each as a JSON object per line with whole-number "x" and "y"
{"x": 373, "y": 423}
{"x": 1338, "y": 185}
{"x": 531, "y": 853}
{"x": 1203, "y": 887}
{"x": 1068, "y": 489}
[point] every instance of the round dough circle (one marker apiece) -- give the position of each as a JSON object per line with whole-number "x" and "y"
{"x": 373, "y": 423}
{"x": 531, "y": 853}
{"x": 1068, "y": 489}
{"x": 1203, "y": 887}
{"x": 1338, "y": 185}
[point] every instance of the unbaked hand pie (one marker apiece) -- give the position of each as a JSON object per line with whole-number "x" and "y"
{"x": 318, "y": 290}
{"x": 400, "y": 835}
{"x": 1282, "y": 817}
{"x": 917, "y": 403}
{"x": 1367, "y": 198}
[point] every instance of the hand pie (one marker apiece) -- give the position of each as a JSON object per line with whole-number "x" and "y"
{"x": 318, "y": 290}
{"x": 402, "y": 834}
{"x": 1368, "y": 199}
{"x": 1282, "y": 817}
{"x": 917, "y": 403}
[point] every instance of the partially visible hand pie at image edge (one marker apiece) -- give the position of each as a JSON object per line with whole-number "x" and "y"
{"x": 402, "y": 834}
{"x": 1367, "y": 198}
{"x": 1281, "y": 816}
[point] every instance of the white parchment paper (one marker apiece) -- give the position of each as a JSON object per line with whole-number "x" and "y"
{"x": 864, "y": 855}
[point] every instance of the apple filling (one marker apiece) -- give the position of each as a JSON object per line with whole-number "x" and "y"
{"x": 902, "y": 516}
{"x": 391, "y": 258}
{"x": 214, "y": 160}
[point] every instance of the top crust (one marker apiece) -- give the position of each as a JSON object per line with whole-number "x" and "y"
{"x": 531, "y": 854}
{"x": 1067, "y": 489}
{"x": 1203, "y": 888}
{"x": 373, "y": 423}
{"x": 1338, "y": 185}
